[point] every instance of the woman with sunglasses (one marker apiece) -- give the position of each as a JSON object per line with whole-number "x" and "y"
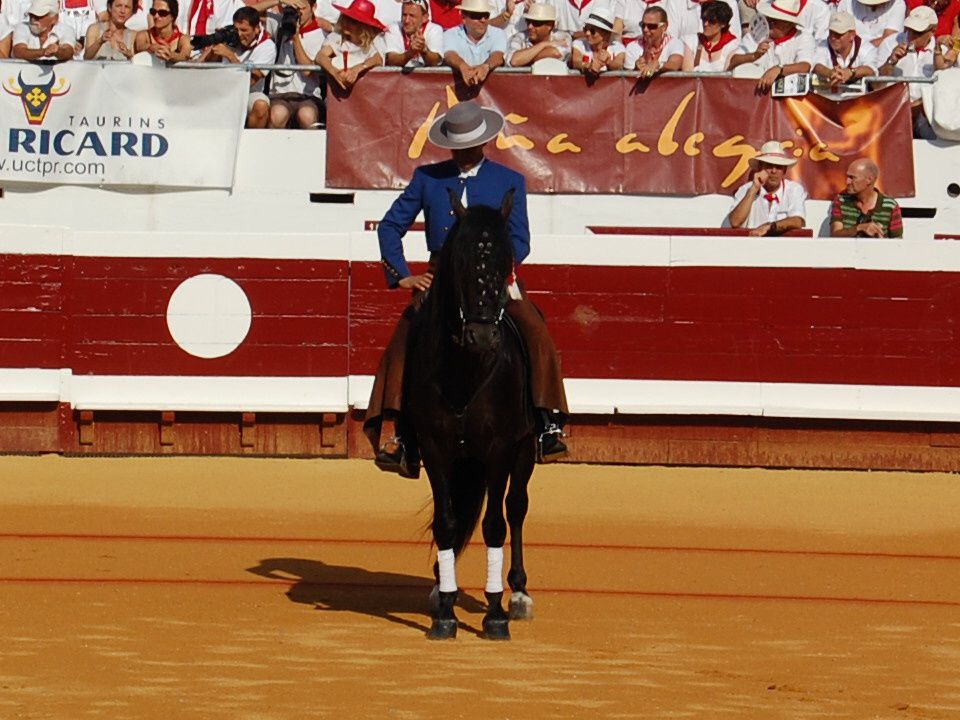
{"x": 112, "y": 40}
{"x": 164, "y": 40}
{"x": 710, "y": 50}
{"x": 596, "y": 52}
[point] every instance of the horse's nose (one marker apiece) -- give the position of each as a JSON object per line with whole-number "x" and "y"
{"x": 482, "y": 338}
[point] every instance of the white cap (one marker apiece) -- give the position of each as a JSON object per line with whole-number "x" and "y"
{"x": 475, "y": 6}
{"x": 541, "y": 12}
{"x": 788, "y": 10}
{"x": 601, "y": 17}
{"x": 842, "y": 22}
{"x": 921, "y": 18}
{"x": 42, "y": 8}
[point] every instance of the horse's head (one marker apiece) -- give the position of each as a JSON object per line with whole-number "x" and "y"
{"x": 477, "y": 262}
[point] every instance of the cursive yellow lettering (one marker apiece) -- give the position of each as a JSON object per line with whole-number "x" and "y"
{"x": 819, "y": 153}
{"x": 732, "y": 147}
{"x": 690, "y": 146}
{"x": 420, "y": 138}
{"x": 559, "y": 143}
{"x": 626, "y": 145}
{"x": 504, "y": 142}
{"x": 666, "y": 145}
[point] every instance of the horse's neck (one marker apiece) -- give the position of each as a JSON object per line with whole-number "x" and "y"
{"x": 464, "y": 372}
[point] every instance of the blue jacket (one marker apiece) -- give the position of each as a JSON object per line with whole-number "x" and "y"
{"x": 427, "y": 191}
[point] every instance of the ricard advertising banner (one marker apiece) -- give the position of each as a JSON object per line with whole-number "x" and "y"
{"x": 668, "y": 136}
{"x": 116, "y": 124}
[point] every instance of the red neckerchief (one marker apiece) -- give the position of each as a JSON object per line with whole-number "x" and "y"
{"x": 722, "y": 41}
{"x": 584, "y": 3}
{"x": 309, "y": 27}
{"x": 202, "y": 10}
{"x": 771, "y": 198}
{"x": 789, "y": 36}
{"x": 856, "y": 51}
{"x": 76, "y": 4}
{"x": 172, "y": 40}
{"x": 406, "y": 38}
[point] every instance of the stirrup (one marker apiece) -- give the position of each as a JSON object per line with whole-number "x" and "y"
{"x": 550, "y": 445}
{"x": 397, "y": 460}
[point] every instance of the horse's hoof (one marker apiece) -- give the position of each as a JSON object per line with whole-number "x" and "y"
{"x": 443, "y": 629}
{"x": 521, "y": 606}
{"x": 496, "y": 629}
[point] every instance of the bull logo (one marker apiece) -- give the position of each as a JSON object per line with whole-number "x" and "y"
{"x": 36, "y": 95}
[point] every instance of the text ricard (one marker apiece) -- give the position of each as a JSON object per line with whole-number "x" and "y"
{"x": 94, "y": 136}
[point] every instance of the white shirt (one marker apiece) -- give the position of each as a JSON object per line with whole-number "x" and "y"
{"x": 873, "y": 20}
{"x": 614, "y": 48}
{"x": 61, "y": 33}
{"x": 262, "y": 52}
{"x": 716, "y": 61}
{"x": 137, "y": 21}
{"x": 814, "y": 19}
{"x": 432, "y": 38}
{"x": 5, "y": 28}
{"x": 671, "y": 46}
{"x": 520, "y": 41}
{"x": 294, "y": 81}
{"x": 790, "y": 199}
{"x": 355, "y": 54}
{"x": 867, "y": 55}
{"x": 631, "y": 13}
{"x": 799, "y": 48}
{"x": 915, "y": 63}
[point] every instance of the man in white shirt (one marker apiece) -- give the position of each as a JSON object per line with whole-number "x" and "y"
{"x": 658, "y": 51}
{"x": 202, "y": 17}
{"x": 912, "y": 56}
{"x": 769, "y": 204}
{"x": 878, "y": 20}
{"x": 43, "y": 36}
{"x": 255, "y": 47}
{"x": 845, "y": 57}
{"x": 414, "y": 41}
{"x": 540, "y": 40}
{"x": 788, "y": 50}
{"x": 474, "y": 49}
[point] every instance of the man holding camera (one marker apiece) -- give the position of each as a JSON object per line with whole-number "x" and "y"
{"x": 252, "y": 45}
{"x": 298, "y": 33}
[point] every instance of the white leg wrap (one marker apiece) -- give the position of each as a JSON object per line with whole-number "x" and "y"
{"x": 494, "y": 570}
{"x": 448, "y": 573}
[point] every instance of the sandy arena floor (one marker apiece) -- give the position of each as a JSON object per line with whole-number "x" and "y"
{"x": 265, "y": 589}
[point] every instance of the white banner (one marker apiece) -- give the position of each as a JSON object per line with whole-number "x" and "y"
{"x": 116, "y": 124}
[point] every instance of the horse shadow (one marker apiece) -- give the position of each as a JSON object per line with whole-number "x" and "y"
{"x": 343, "y": 588}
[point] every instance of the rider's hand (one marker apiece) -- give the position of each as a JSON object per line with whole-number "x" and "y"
{"x": 416, "y": 282}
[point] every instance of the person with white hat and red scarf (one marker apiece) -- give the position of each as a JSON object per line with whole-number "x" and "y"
{"x": 769, "y": 204}
{"x": 845, "y": 57}
{"x": 789, "y": 50}
{"x": 597, "y": 52}
{"x": 914, "y": 54}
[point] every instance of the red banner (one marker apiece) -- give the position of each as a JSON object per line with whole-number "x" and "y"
{"x": 669, "y": 136}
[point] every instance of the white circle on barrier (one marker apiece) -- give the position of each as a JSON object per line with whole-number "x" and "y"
{"x": 208, "y": 315}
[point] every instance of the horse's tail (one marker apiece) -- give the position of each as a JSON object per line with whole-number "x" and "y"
{"x": 466, "y": 497}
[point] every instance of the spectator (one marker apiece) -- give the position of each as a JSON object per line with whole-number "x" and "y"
{"x": 6, "y": 38}
{"x": 164, "y": 40}
{"x": 356, "y": 45}
{"x": 946, "y": 52}
{"x": 863, "y": 211}
{"x": 597, "y": 52}
{"x": 769, "y": 204}
{"x": 254, "y": 46}
{"x": 202, "y": 17}
{"x": 658, "y": 51}
{"x": 844, "y": 57}
{"x": 788, "y": 50}
{"x": 711, "y": 50}
{"x": 912, "y": 56}
{"x": 445, "y": 13}
{"x": 878, "y": 19}
{"x": 415, "y": 41}
{"x": 540, "y": 40}
{"x": 298, "y": 36}
{"x": 686, "y": 17}
{"x": 474, "y": 49}
{"x": 946, "y": 10}
{"x": 111, "y": 40}
{"x": 43, "y": 36}
{"x": 629, "y": 23}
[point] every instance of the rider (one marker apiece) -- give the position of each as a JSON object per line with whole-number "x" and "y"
{"x": 464, "y": 130}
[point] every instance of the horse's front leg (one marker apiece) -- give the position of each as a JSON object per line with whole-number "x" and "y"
{"x": 495, "y": 622}
{"x": 444, "y": 625}
{"x": 521, "y": 604}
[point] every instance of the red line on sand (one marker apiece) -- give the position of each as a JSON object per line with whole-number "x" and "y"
{"x": 426, "y": 585}
{"x": 418, "y": 543}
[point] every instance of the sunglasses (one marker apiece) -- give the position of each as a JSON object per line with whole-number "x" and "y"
{"x": 708, "y": 21}
{"x": 591, "y": 29}
{"x": 650, "y": 26}
{"x": 538, "y": 23}
{"x": 160, "y": 13}
{"x": 477, "y": 16}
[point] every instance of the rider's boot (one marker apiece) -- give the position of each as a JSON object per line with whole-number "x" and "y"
{"x": 550, "y": 445}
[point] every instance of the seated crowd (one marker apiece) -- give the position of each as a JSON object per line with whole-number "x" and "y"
{"x": 839, "y": 41}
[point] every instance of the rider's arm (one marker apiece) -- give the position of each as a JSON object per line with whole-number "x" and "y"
{"x": 394, "y": 226}
{"x": 518, "y": 223}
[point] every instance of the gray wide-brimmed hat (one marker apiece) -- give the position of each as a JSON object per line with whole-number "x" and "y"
{"x": 465, "y": 125}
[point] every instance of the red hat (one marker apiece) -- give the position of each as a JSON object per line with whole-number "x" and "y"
{"x": 362, "y": 11}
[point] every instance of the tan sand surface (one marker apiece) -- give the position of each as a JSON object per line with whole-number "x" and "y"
{"x": 257, "y": 589}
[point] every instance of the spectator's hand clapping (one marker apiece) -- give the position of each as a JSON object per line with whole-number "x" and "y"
{"x": 161, "y": 50}
{"x": 417, "y": 43}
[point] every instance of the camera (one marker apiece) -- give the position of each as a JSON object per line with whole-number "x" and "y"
{"x": 226, "y": 35}
{"x": 289, "y": 21}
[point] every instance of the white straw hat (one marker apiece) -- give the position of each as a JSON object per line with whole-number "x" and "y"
{"x": 772, "y": 152}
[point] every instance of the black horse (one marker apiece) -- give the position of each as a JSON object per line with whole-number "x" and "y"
{"x": 467, "y": 405}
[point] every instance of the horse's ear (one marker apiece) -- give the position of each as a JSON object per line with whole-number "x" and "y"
{"x": 458, "y": 209}
{"x": 507, "y": 205}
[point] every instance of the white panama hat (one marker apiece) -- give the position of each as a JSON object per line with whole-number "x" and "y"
{"x": 772, "y": 152}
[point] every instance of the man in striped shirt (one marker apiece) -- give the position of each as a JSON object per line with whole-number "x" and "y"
{"x": 863, "y": 211}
